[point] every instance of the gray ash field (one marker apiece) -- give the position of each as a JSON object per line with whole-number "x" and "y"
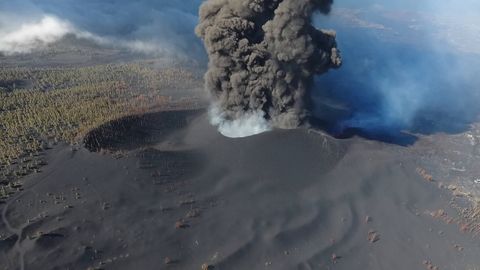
{"x": 184, "y": 196}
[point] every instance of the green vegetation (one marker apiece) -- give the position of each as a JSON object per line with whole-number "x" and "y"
{"x": 39, "y": 107}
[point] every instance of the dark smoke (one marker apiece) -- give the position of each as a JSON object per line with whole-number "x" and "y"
{"x": 263, "y": 55}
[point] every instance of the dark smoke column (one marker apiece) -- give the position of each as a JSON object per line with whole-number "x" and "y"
{"x": 263, "y": 55}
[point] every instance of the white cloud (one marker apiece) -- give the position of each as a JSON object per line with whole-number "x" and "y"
{"x": 48, "y": 29}
{"x": 29, "y": 36}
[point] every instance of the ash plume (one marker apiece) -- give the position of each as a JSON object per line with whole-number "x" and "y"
{"x": 263, "y": 55}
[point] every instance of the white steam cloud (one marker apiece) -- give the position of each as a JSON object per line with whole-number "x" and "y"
{"x": 37, "y": 35}
{"x": 249, "y": 124}
{"x": 152, "y": 27}
{"x": 30, "y": 36}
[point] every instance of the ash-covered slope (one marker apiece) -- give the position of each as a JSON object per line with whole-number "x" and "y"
{"x": 187, "y": 197}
